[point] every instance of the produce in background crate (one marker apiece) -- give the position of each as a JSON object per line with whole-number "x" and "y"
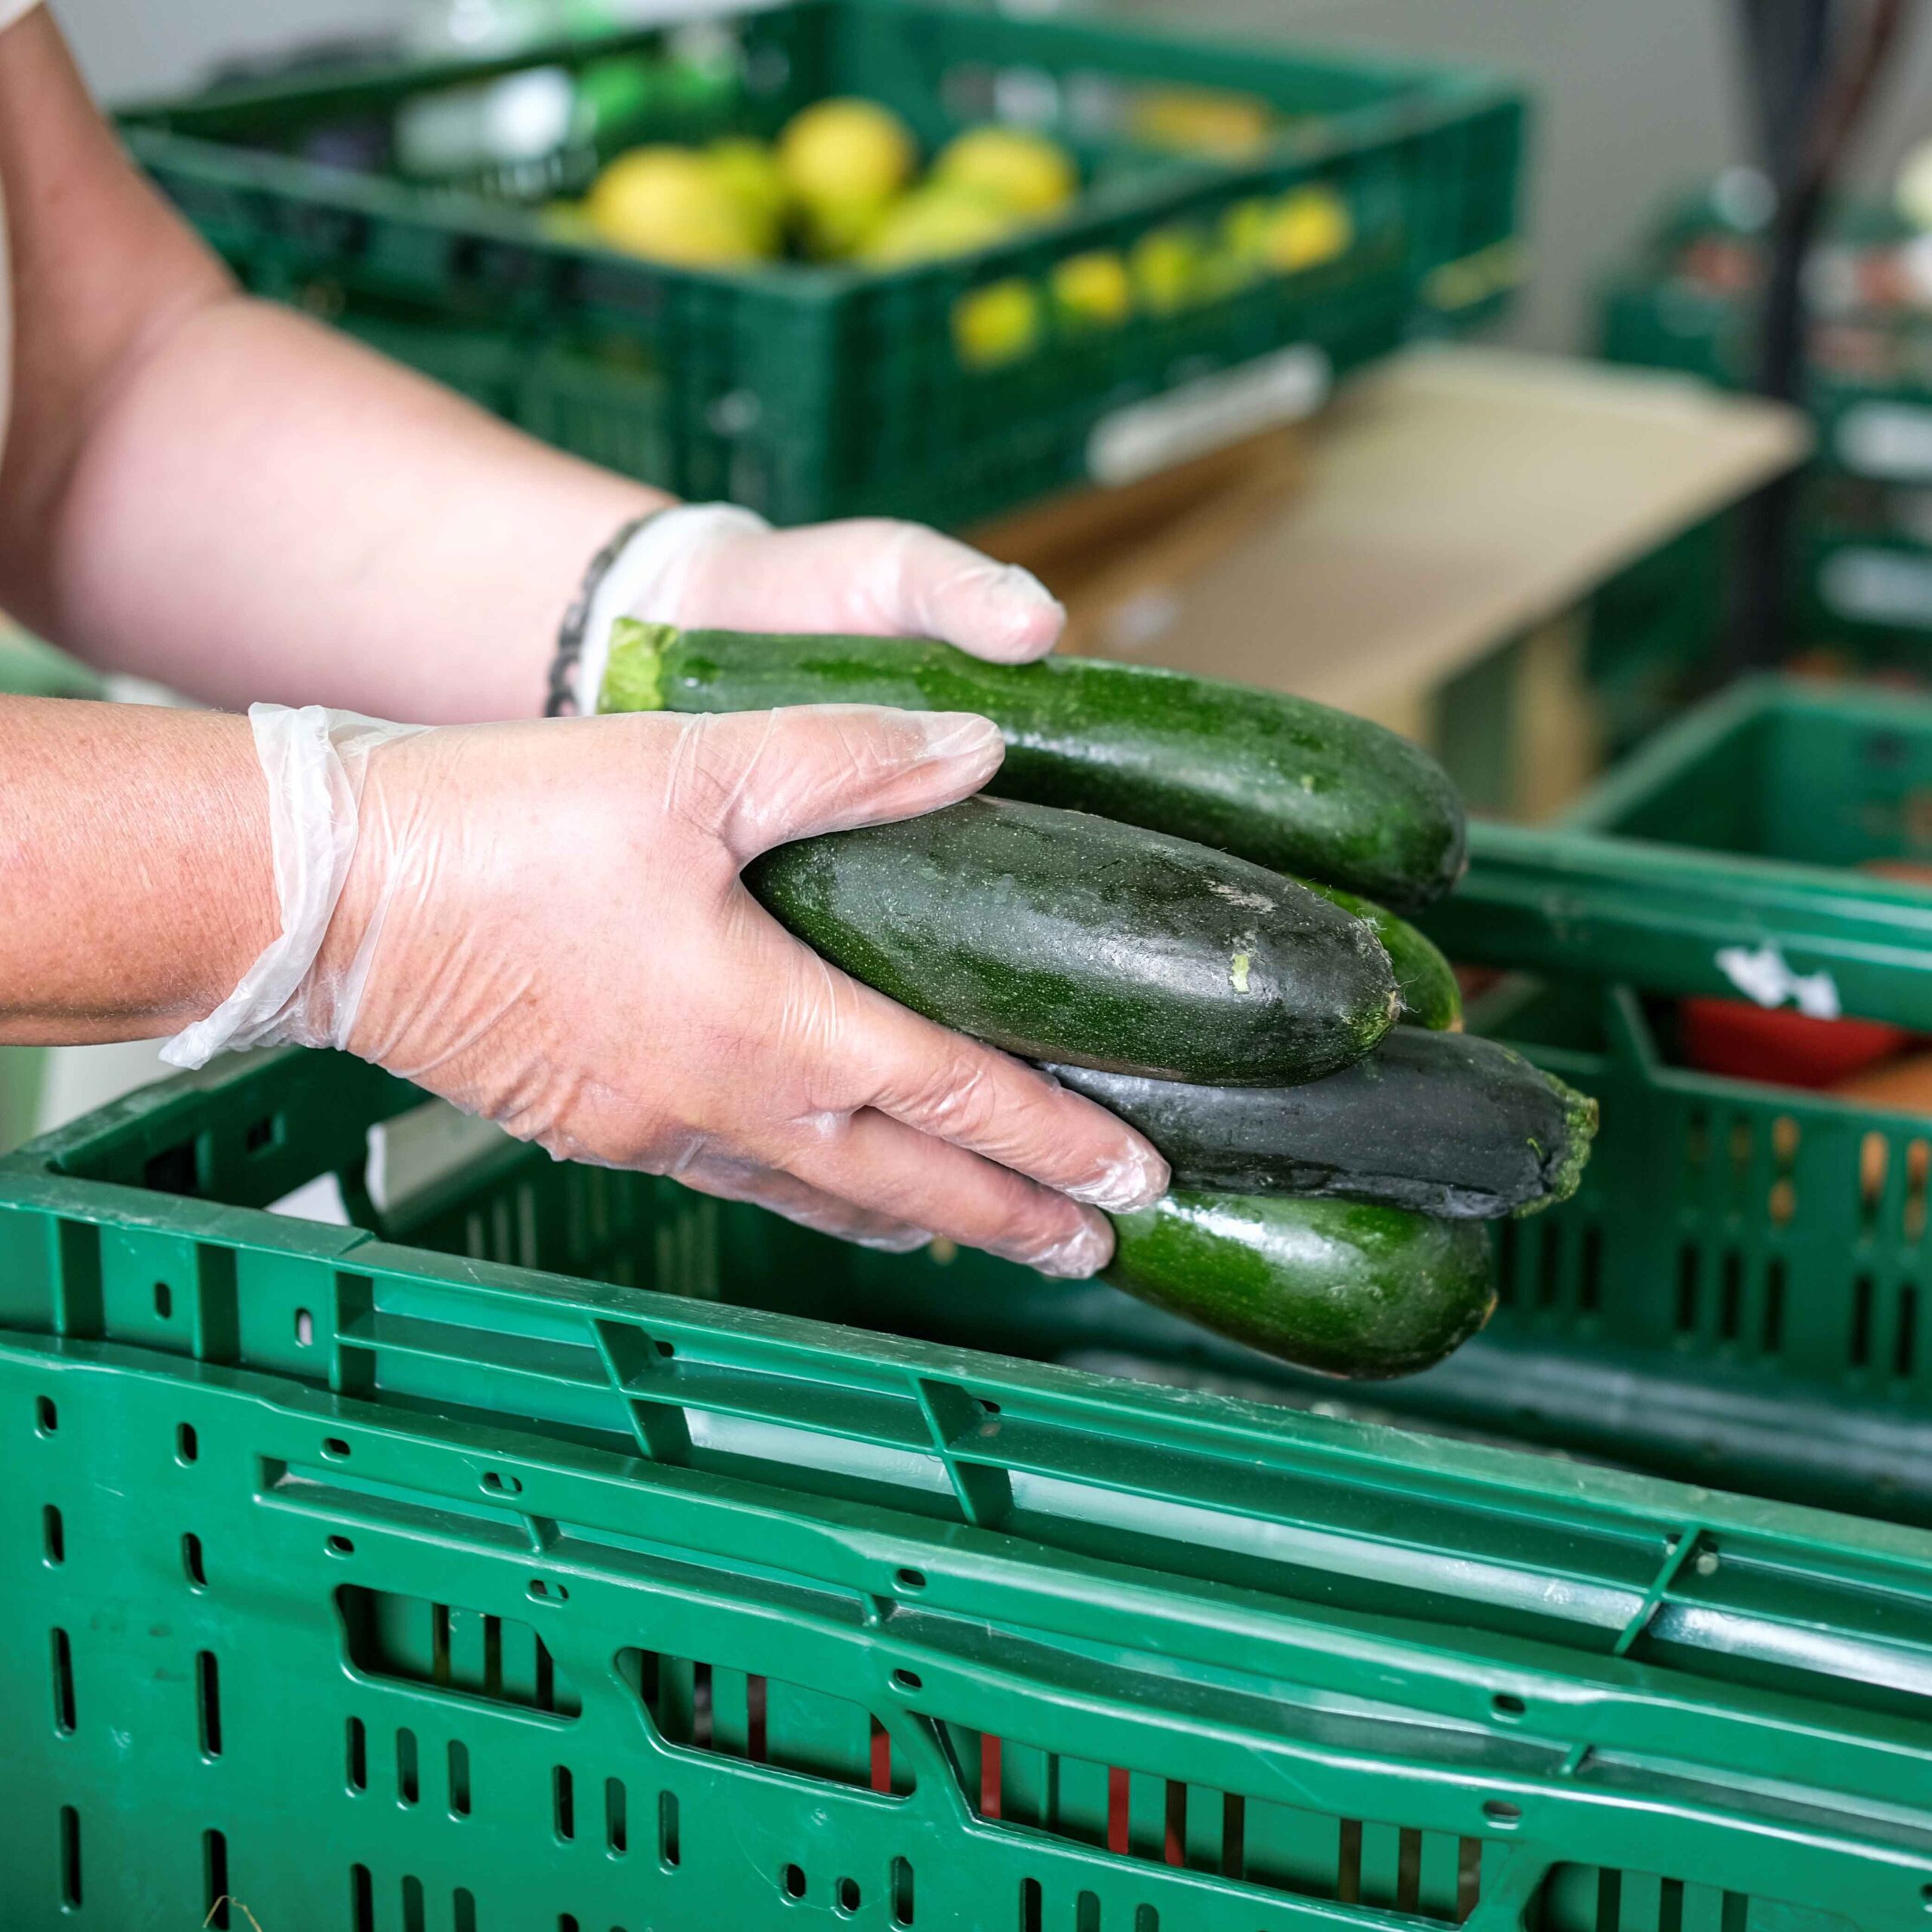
{"x": 1439, "y": 1124}
{"x": 1208, "y": 121}
{"x": 1014, "y": 169}
{"x": 737, "y": 201}
{"x": 1780, "y": 1046}
{"x": 1306, "y": 228}
{"x": 1344, "y": 1289}
{"x": 840, "y": 183}
{"x": 1166, "y": 266}
{"x": 932, "y": 223}
{"x": 749, "y": 173}
{"x": 1063, "y": 937}
{"x": 1092, "y": 291}
{"x": 674, "y": 205}
{"x": 999, "y": 323}
{"x": 1281, "y": 781}
{"x": 844, "y": 159}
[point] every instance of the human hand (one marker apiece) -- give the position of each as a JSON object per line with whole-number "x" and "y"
{"x": 544, "y": 923}
{"x": 717, "y": 567}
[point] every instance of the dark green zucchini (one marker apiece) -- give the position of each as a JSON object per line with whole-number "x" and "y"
{"x": 1438, "y": 1123}
{"x": 1344, "y": 1289}
{"x": 1430, "y": 995}
{"x": 1065, "y": 937}
{"x": 1288, "y": 783}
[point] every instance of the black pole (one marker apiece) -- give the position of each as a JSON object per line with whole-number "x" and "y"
{"x": 1788, "y": 42}
{"x": 1811, "y": 75}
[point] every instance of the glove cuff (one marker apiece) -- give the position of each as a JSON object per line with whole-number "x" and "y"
{"x": 314, "y": 761}
{"x": 640, "y": 573}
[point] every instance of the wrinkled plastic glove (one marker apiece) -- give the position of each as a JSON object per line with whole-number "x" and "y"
{"x": 717, "y": 567}
{"x": 544, "y": 923}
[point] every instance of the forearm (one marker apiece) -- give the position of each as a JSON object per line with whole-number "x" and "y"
{"x": 228, "y": 498}
{"x": 269, "y": 512}
{"x": 134, "y": 868}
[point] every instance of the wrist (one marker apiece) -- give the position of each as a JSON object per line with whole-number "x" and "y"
{"x": 323, "y": 1010}
{"x": 643, "y": 572}
{"x": 227, "y": 914}
{"x": 313, "y": 764}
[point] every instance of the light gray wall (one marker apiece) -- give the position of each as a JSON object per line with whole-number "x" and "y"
{"x": 1636, "y": 97}
{"x": 132, "y": 48}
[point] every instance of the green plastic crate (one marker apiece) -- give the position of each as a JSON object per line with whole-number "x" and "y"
{"x": 1651, "y": 642}
{"x": 1860, "y": 587}
{"x": 1655, "y": 315}
{"x": 809, "y": 392}
{"x": 1743, "y": 1285}
{"x": 495, "y": 1569}
{"x": 1873, "y": 410}
{"x": 1731, "y": 831}
{"x": 1656, "y": 629}
{"x": 1866, "y": 562}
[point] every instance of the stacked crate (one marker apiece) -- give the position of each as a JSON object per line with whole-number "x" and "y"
{"x": 1861, "y": 585}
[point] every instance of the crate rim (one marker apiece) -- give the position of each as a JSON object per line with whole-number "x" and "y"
{"x": 1462, "y": 81}
{"x": 1581, "y": 897}
{"x": 1440, "y": 97}
{"x": 1686, "y": 740}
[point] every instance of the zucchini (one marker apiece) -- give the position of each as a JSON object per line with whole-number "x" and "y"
{"x": 1281, "y": 781}
{"x": 1437, "y": 1123}
{"x": 1430, "y": 995}
{"x": 1065, "y": 937}
{"x": 1344, "y": 1289}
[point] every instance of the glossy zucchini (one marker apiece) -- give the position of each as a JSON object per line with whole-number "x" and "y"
{"x": 1340, "y": 1287}
{"x": 1438, "y": 1123}
{"x": 1284, "y": 782}
{"x": 1065, "y": 937}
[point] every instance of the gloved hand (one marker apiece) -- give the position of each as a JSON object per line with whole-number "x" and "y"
{"x": 544, "y": 923}
{"x": 715, "y": 566}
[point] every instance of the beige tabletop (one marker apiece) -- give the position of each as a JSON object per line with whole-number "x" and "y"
{"x": 1454, "y": 498}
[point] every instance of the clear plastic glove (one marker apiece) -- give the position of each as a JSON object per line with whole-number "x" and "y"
{"x": 717, "y": 566}
{"x": 544, "y": 923}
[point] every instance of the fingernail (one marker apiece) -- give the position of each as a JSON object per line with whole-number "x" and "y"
{"x": 1023, "y": 596}
{"x": 1137, "y": 1181}
{"x": 1081, "y": 1253}
{"x": 1030, "y": 615}
{"x": 960, "y": 734}
{"x": 1016, "y": 581}
{"x": 900, "y": 1241}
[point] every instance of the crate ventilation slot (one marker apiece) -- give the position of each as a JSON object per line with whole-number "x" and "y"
{"x": 414, "y": 1897}
{"x": 623, "y": 1229}
{"x": 1137, "y": 1814}
{"x": 414, "y": 1640}
{"x": 698, "y": 1707}
{"x": 1592, "y": 1898}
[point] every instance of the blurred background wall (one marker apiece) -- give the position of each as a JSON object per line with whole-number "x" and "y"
{"x": 136, "y": 47}
{"x": 1627, "y": 90}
